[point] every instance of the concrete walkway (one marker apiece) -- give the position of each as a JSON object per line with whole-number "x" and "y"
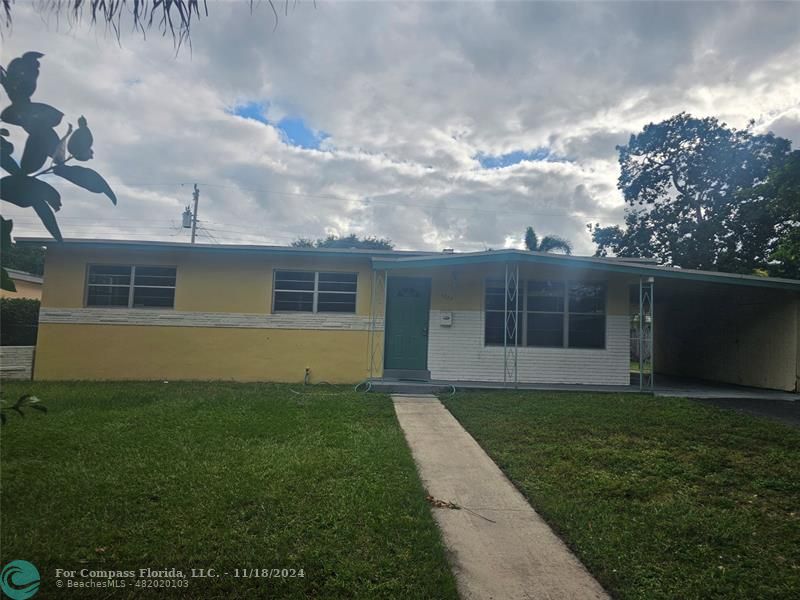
{"x": 506, "y": 550}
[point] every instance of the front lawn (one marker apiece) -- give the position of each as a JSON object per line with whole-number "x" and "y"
{"x": 219, "y": 476}
{"x": 660, "y": 498}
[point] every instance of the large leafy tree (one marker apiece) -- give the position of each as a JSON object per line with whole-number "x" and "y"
{"x": 683, "y": 180}
{"x": 348, "y": 241}
{"x": 780, "y": 194}
{"x": 549, "y": 243}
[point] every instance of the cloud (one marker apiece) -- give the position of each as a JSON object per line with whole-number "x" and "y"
{"x": 433, "y": 124}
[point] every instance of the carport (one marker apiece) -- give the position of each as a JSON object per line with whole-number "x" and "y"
{"x": 745, "y": 331}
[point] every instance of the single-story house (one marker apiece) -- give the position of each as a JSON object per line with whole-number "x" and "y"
{"x": 28, "y": 285}
{"x": 158, "y": 310}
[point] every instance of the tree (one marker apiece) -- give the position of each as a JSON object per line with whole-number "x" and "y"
{"x": 24, "y": 258}
{"x": 682, "y": 179}
{"x": 549, "y": 243}
{"x": 23, "y": 185}
{"x": 780, "y": 193}
{"x": 350, "y": 241}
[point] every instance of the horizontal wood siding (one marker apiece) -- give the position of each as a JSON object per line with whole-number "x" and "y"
{"x": 458, "y": 353}
{"x": 16, "y": 362}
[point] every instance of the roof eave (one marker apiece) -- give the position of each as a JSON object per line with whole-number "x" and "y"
{"x": 24, "y": 276}
{"x": 596, "y": 264}
{"x": 163, "y": 245}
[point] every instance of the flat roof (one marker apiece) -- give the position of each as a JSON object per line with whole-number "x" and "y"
{"x": 608, "y": 264}
{"x": 156, "y": 244}
{"x": 390, "y": 260}
{"x": 24, "y": 276}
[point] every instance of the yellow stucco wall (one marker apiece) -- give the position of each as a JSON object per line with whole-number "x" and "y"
{"x": 25, "y": 289}
{"x": 166, "y": 353}
{"x": 207, "y": 281}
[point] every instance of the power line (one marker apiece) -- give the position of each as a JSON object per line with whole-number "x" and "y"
{"x": 104, "y": 219}
{"x": 209, "y": 234}
{"x": 367, "y": 200}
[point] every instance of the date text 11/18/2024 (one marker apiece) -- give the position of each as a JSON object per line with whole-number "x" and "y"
{"x": 194, "y": 573}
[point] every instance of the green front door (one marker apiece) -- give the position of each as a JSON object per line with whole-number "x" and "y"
{"x": 407, "y": 305}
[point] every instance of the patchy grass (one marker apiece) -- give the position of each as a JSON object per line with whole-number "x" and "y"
{"x": 224, "y": 476}
{"x": 660, "y": 498}
{"x": 635, "y": 366}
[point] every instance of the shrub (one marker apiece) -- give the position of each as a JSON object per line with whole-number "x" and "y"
{"x": 19, "y": 321}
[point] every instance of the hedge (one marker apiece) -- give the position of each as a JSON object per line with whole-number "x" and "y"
{"x": 19, "y": 321}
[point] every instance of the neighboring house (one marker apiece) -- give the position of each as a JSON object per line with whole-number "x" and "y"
{"x": 28, "y": 285}
{"x": 160, "y": 310}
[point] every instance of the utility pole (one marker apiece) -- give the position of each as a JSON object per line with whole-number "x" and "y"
{"x": 196, "y": 196}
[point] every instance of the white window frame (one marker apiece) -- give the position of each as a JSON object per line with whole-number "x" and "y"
{"x": 131, "y": 287}
{"x": 523, "y": 309}
{"x": 314, "y": 293}
{"x": 486, "y": 310}
{"x": 564, "y": 312}
{"x": 568, "y": 312}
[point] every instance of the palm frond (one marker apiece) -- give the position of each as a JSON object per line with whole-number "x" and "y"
{"x": 553, "y": 243}
{"x": 170, "y": 17}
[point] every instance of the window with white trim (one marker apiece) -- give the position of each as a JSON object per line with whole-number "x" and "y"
{"x": 553, "y": 314}
{"x": 130, "y": 286}
{"x": 587, "y": 315}
{"x": 494, "y": 323}
{"x": 545, "y": 323}
{"x": 314, "y": 291}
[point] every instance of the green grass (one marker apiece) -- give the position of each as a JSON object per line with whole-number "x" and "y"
{"x": 660, "y": 498}
{"x": 635, "y": 366}
{"x": 223, "y": 476}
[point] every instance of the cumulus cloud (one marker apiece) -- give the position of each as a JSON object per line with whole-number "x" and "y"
{"x": 409, "y": 96}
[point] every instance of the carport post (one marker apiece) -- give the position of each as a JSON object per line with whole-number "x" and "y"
{"x": 510, "y": 324}
{"x": 505, "y": 328}
{"x": 646, "y": 323}
{"x": 372, "y": 323}
{"x": 652, "y": 332}
{"x": 374, "y": 300}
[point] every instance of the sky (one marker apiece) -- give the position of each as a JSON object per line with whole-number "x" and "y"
{"x": 434, "y": 124}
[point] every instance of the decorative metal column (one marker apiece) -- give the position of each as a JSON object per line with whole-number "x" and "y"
{"x": 646, "y": 316}
{"x": 511, "y": 318}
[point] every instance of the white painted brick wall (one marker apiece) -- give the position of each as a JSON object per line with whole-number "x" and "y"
{"x": 16, "y": 362}
{"x": 457, "y": 353}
